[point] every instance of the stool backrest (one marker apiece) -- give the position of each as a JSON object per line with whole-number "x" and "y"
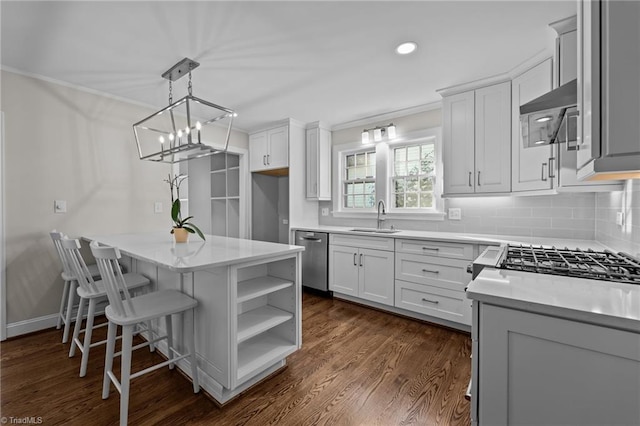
{"x": 57, "y": 238}
{"x": 71, "y": 250}
{"x": 107, "y": 260}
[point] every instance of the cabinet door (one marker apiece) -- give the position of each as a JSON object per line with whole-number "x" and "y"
{"x": 278, "y": 153}
{"x": 343, "y": 269}
{"x": 458, "y": 143}
{"x": 580, "y": 373}
{"x": 588, "y": 82}
{"x": 312, "y": 141}
{"x": 530, "y": 165}
{"x": 493, "y": 138}
{"x": 376, "y": 281}
{"x": 258, "y": 151}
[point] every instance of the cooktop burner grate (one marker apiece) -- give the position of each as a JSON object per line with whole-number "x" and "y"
{"x": 599, "y": 265}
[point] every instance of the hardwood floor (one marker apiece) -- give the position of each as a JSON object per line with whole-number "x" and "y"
{"x": 357, "y": 366}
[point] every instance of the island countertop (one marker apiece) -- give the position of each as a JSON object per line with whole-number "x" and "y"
{"x": 160, "y": 249}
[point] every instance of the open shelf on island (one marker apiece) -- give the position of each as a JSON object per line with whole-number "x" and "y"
{"x": 261, "y": 286}
{"x": 259, "y": 320}
{"x": 261, "y": 351}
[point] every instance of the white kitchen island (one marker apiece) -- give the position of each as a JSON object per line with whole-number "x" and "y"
{"x": 248, "y": 318}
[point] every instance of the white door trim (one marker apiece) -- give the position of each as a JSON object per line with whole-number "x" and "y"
{"x": 3, "y": 263}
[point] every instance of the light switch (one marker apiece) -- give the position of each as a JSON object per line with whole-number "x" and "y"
{"x": 619, "y": 218}
{"x": 157, "y": 207}
{"x": 59, "y": 206}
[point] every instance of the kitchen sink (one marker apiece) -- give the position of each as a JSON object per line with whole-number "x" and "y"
{"x": 375, "y": 230}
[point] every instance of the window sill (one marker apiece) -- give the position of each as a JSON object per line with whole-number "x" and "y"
{"x": 436, "y": 216}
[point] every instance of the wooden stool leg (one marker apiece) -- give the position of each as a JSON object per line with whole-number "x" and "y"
{"x": 67, "y": 321}
{"x": 108, "y": 358}
{"x": 169, "y": 324}
{"x": 87, "y": 337}
{"x": 125, "y": 366}
{"x": 152, "y": 346}
{"x": 76, "y": 328}
{"x": 190, "y": 337}
{"x": 63, "y": 299}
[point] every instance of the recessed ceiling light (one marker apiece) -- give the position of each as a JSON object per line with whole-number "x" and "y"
{"x": 406, "y": 48}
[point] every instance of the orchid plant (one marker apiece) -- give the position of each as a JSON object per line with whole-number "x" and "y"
{"x": 176, "y": 215}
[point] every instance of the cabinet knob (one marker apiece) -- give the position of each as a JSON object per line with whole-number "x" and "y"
{"x": 470, "y": 183}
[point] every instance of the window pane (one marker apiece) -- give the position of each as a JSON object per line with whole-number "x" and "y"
{"x": 371, "y": 171}
{"x": 412, "y": 184}
{"x": 360, "y": 159}
{"x": 413, "y": 167}
{"x": 426, "y": 184}
{"x": 348, "y": 201}
{"x": 358, "y": 188}
{"x": 371, "y": 158}
{"x": 361, "y": 172}
{"x": 426, "y": 200}
{"x": 351, "y": 161}
{"x": 399, "y": 185}
{"x": 400, "y": 154}
{"x": 358, "y": 201}
{"x": 412, "y": 200}
{"x": 370, "y": 200}
{"x": 413, "y": 153}
{"x": 351, "y": 174}
{"x": 348, "y": 188}
{"x": 399, "y": 200}
{"x": 401, "y": 169}
{"x": 427, "y": 159}
{"x": 369, "y": 188}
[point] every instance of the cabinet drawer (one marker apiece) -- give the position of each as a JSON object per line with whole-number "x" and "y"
{"x": 451, "y": 305}
{"x": 376, "y": 243}
{"x": 431, "y": 270}
{"x": 435, "y": 248}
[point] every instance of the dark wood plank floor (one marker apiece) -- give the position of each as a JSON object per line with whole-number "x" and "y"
{"x": 357, "y": 366}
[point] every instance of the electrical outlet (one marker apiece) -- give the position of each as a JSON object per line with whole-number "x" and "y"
{"x": 285, "y": 221}
{"x": 619, "y": 218}
{"x": 325, "y": 211}
{"x": 157, "y": 207}
{"x": 59, "y": 206}
{"x": 455, "y": 214}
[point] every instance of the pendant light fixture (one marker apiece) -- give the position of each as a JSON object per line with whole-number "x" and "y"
{"x": 173, "y": 134}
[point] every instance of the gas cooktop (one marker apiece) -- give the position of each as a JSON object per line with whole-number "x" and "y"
{"x": 598, "y": 265}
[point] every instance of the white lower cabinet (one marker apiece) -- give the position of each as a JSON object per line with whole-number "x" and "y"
{"x": 537, "y": 369}
{"x": 438, "y": 302}
{"x": 362, "y": 272}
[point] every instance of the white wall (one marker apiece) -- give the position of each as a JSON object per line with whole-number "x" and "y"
{"x": 69, "y": 144}
{"x": 625, "y": 237}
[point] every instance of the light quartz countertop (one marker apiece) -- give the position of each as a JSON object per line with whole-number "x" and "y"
{"x": 460, "y": 237}
{"x": 160, "y": 249}
{"x": 599, "y": 302}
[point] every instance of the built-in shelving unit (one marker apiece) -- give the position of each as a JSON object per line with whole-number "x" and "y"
{"x": 225, "y": 194}
{"x": 266, "y": 329}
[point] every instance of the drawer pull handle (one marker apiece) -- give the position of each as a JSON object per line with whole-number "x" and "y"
{"x": 432, "y": 271}
{"x": 430, "y": 301}
{"x": 430, "y": 248}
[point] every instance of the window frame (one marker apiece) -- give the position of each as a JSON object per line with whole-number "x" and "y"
{"x": 384, "y": 175}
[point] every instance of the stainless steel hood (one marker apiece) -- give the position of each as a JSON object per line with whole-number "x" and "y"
{"x": 551, "y": 118}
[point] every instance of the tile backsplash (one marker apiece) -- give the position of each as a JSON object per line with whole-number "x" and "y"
{"x": 561, "y": 216}
{"x": 625, "y": 237}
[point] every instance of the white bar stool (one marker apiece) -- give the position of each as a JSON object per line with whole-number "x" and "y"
{"x": 94, "y": 292}
{"x": 70, "y": 284}
{"x": 132, "y": 310}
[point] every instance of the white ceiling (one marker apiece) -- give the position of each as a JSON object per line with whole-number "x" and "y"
{"x": 331, "y": 61}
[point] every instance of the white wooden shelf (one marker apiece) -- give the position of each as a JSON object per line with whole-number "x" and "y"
{"x": 259, "y": 320}
{"x": 256, "y": 287}
{"x": 261, "y": 351}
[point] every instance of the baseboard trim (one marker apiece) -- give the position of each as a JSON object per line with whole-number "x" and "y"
{"x": 32, "y": 325}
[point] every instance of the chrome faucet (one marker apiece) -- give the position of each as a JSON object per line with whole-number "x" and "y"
{"x": 383, "y": 218}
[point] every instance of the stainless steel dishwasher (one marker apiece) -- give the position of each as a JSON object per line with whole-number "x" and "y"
{"x": 315, "y": 273}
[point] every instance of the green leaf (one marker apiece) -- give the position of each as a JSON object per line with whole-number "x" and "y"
{"x": 175, "y": 211}
{"x": 188, "y": 229}
{"x": 185, "y": 220}
{"x": 198, "y": 231}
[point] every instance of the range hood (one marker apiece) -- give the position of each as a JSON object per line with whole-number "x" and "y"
{"x": 551, "y": 118}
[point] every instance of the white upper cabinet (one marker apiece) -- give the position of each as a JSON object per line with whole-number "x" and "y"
{"x": 608, "y": 93}
{"x": 533, "y": 168}
{"x": 269, "y": 149}
{"x": 318, "y": 163}
{"x": 476, "y": 140}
